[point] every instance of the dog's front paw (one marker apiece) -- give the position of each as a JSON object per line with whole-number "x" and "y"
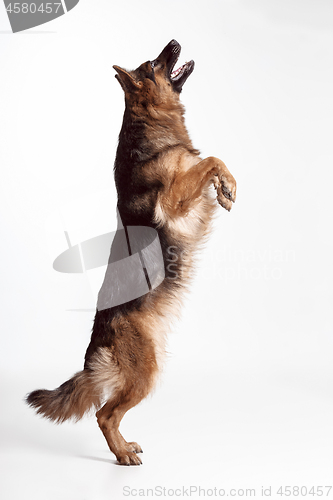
{"x": 223, "y": 201}
{"x": 225, "y": 186}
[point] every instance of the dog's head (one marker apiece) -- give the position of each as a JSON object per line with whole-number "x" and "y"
{"x": 155, "y": 82}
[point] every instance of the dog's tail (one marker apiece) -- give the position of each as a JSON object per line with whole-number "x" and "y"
{"x": 85, "y": 390}
{"x": 71, "y": 400}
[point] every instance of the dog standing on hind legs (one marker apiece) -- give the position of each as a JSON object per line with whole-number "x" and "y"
{"x": 162, "y": 183}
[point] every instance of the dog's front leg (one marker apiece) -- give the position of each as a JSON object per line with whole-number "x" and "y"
{"x": 187, "y": 187}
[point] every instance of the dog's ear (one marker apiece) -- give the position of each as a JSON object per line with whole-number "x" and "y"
{"x": 126, "y": 80}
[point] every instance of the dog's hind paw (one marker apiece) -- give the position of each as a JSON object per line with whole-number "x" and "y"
{"x": 134, "y": 447}
{"x": 129, "y": 458}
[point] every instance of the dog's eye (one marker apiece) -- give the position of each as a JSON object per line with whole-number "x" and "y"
{"x": 153, "y": 64}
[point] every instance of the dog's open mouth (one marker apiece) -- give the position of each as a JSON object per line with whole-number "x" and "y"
{"x": 178, "y": 73}
{"x": 179, "y": 76}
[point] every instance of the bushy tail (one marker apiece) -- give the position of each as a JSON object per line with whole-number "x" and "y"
{"x": 71, "y": 400}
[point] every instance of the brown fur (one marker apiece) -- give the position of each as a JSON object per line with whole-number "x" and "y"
{"x": 163, "y": 183}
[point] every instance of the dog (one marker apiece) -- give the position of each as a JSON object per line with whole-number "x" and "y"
{"x": 162, "y": 184}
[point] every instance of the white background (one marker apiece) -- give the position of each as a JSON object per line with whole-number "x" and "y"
{"x": 246, "y": 398}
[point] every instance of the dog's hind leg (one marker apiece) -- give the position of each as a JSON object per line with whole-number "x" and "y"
{"x": 136, "y": 369}
{"x": 109, "y": 418}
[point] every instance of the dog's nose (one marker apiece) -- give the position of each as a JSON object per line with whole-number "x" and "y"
{"x": 174, "y": 44}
